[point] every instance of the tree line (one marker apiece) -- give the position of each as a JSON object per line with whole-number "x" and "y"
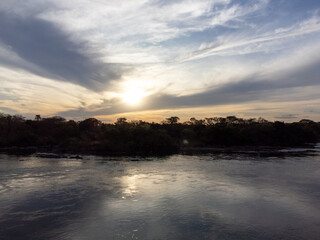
{"x": 91, "y": 136}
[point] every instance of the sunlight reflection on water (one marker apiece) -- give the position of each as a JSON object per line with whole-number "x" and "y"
{"x": 179, "y": 197}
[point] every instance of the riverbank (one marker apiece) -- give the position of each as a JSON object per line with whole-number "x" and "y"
{"x": 255, "y": 150}
{"x": 138, "y": 138}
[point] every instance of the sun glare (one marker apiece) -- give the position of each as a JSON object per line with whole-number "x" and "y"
{"x": 133, "y": 95}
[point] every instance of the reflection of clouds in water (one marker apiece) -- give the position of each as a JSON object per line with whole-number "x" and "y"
{"x": 228, "y": 197}
{"x": 181, "y": 197}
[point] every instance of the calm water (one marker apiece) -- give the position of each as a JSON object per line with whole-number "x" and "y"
{"x": 179, "y": 197}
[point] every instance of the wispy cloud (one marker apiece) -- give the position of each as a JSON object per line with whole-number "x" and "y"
{"x": 239, "y": 44}
{"x": 288, "y": 116}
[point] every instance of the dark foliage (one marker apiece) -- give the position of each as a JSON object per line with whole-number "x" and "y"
{"x": 91, "y": 136}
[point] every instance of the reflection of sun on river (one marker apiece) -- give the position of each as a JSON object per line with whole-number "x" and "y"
{"x": 130, "y": 185}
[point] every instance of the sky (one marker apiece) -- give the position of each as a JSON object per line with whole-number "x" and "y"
{"x": 152, "y": 59}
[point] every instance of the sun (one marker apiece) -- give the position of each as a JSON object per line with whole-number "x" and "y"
{"x": 133, "y": 95}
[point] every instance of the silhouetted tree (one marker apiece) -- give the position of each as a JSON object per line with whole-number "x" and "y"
{"x": 143, "y": 138}
{"x": 121, "y": 120}
{"x": 172, "y": 120}
{"x": 37, "y": 118}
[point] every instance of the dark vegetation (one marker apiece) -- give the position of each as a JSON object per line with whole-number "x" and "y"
{"x": 91, "y": 136}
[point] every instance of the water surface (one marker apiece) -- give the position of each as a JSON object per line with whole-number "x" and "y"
{"x": 178, "y": 197}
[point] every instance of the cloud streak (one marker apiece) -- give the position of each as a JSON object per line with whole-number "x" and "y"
{"x": 240, "y": 46}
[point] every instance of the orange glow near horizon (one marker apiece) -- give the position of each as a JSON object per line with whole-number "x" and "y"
{"x": 240, "y": 110}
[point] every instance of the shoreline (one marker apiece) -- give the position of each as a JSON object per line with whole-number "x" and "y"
{"x": 44, "y": 152}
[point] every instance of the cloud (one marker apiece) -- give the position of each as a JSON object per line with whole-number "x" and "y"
{"x": 287, "y": 116}
{"x": 8, "y": 111}
{"x": 255, "y": 53}
{"x": 256, "y": 87}
{"x": 93, "y": 43}
{"x": 137, "y": 31}
{"x": 6, "y": 95}
{"x": 50, "y": 53}
{"x": 242, "y": 44}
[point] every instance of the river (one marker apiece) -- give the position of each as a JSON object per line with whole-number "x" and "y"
{"x": 178, "y": 197}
